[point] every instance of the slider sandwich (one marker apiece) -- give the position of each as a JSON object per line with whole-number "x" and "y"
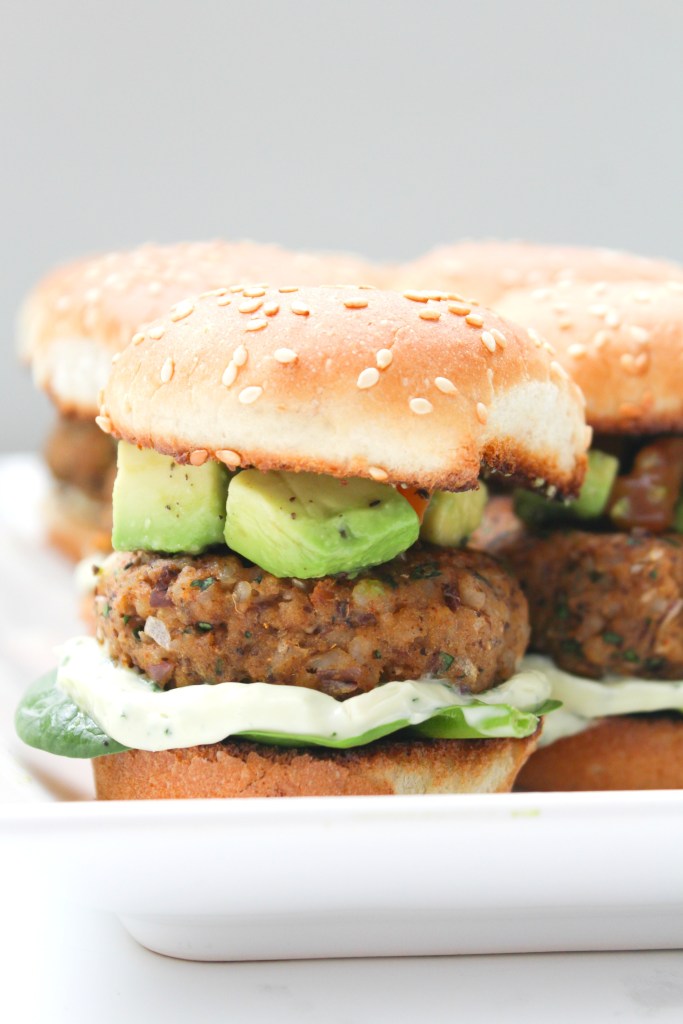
{"x": 604, "y": 574}
{"x": 81, "y": 314}
{"x": 289, "y": 609}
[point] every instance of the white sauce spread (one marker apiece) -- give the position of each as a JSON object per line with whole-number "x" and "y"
{"x": 584, "y": 700}
{"x": 130, "y": 710}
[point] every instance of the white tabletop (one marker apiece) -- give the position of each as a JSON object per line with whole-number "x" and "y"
{"x": 61, "y": 965}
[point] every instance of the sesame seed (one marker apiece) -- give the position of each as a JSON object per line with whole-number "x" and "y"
{"x": 359, "y": 303}
{"x": 154, "y": 287}
{"x": 250, "y": 305}
{"x": 415, "y": 296}
{"x": 377, "y": 473}
{"x": 601, "y": 338}
{"x": 535, "y": 337}
{"x": 167, "y": 371}
{"x": 598, "y": 310}
{"x": 223, "y": 300}
{"x": 612, "y": 319}
{"x": 92, "y": 295}
{"x": 104, "y": 423}
{"x": 587, "y": 437}
{"x": 199, "y": 457}
{"x": 640, "y": 295}
{"x": 271, "y": 308}
{"x": 157, "y": 332}
{"x": 384, "y": 358}
{"x": 236, "y": 288}
{"x": 557, "y": 370}
{"x": 474, "y": 320}
{"x": 115, "y": 358}
{"x": 229, "y": 457}
{"x": 181, "y": 310}
{"x": 286, "y": 289}
{"x": 635, "y": 365}
{"x": 229, "y": 374}
{"x": 459, "y": 308}
{"x": 429, "y": 314}
{"x": 300, "y": 309}
{"x": 482, "y": 412}
{"x": 489, "y": 374}
{"x": 488, "y": 341}
{"x": 257, "y": 323}
{"x": 250, "y": 394}
{"x": 576, "y": 351}
{"x": 420, "y": 406}
{"x": 254, "y": 293}
{"x": 138, "y": 338}
{"x": 368, "y": 377}
{"x": 239, "y": 356}
{"x": 639, "y": 334}
{"x": 285, "y": 355}
{"x": 540, "y": 294}
{"x": 498, "y": 336}
{"x": 446, "y": 386}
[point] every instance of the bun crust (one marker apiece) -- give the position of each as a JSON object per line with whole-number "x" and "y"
{"x": 76, "y": 524}
{"x": 623, "y": 345}
{"x": 349, "y": 381}
{"x": 240, "y": 768}
{"x": 625, "y": 752}
{"x": 489, "y": 269}
{"x": 82, "y": 313}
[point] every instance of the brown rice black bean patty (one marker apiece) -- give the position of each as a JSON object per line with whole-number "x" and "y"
{"x": 455, "y": 614}
{"x": 604, "y": 603}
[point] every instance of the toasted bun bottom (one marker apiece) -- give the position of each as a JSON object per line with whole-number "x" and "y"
{"x": 239, "y": 768}
{"x": 624, "y": 752}
{"x": 76, "y": 524}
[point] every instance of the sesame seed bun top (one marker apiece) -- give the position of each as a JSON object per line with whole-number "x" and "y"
{"x": 81, "y": 313}
{"x": 621, "y": 342}
{"x": 486, "y": 270}
{"x": 349, "y": 381}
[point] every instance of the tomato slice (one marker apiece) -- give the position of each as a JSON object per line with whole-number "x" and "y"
{"x": 647, "y": 496}
{"x": 418, "y": 497}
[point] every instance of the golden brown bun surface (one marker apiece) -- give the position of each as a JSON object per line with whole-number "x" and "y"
{"x": 351, "y": 382}
{"x": 625, "y": 752}
{"x": 622, "y": 343}
{"x": 486, "y": 270}
{"x": 82, "y": 313}
{"x": 243, "y": 769}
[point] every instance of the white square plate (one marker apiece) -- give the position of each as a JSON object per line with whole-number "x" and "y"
{"x": 321, "y": 877}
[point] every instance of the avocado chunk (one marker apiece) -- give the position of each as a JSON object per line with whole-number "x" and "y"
{"x": 678, "y": 516}
{"x": 160, "y": 505}
{"x": 451, "y": 517}
{"x": 597, "y": 485}
{"x": 305, "y": 525}
{"x": 537, "y": 510}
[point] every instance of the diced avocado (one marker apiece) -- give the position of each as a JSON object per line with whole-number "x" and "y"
{"x": 597, "y": 486}
{"x": 536, "y": 510}
{"x": 450, "y": 518}
{"x": 160, "y": 505}
{"x": 678, "y": 516}
{"x": 305, "y": 525}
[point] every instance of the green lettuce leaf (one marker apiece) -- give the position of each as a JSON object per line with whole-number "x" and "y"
{"x": 48, "y": 719}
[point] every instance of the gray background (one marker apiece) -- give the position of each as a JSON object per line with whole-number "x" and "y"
{"x": 377, "y": 126}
